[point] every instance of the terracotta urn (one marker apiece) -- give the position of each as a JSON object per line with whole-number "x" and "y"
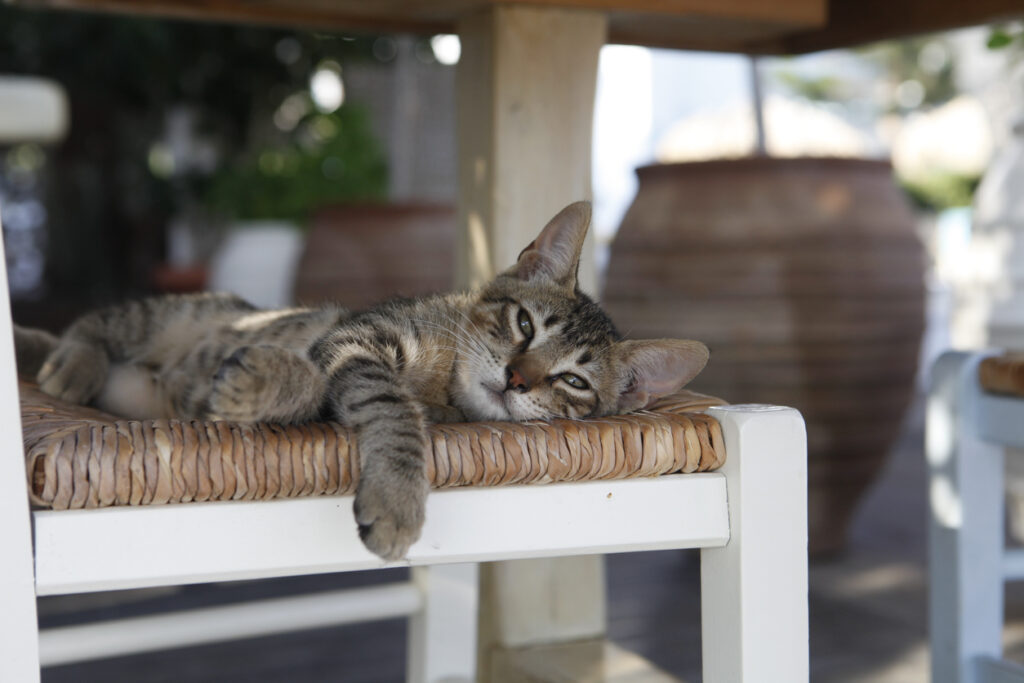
{"x": 805, "y": 277}
{"x": 361, "y": 254}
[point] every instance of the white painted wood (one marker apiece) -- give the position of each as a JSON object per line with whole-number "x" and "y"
{"x": 999, "y": 419}
{"x": 754, "y": 620}
{"x": 1013, "y": 564}
{"x": 442, "y": 636}
{"x": 966, "y": 524}
{"x": 998, "y": 671}
{"x": 111, "y": 548}
{"x": 231, "y": 622}
{"x": 19, "y": 653}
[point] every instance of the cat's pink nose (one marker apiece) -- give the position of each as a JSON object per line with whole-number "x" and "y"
{"x": 516, "y": 381}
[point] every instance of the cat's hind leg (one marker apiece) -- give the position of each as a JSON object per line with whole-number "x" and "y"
{"x": 32, "y": 348}
{"x": 75, "y": 371}
{"x": 266, "y": 384}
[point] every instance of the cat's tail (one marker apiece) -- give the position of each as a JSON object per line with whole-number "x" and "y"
{"x": 31, "y": 349}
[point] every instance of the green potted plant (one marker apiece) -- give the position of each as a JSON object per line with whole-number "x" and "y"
{"x": 267, "y": 194}
{"x": 326, "y": 158}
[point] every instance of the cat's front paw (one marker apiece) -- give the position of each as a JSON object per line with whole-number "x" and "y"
{"x": 390, "y": 509}
{"x": 240, "y": 390}
{"x": 74, "y": 372}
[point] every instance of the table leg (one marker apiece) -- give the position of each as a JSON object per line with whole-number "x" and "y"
{"x": 525, "y": 84}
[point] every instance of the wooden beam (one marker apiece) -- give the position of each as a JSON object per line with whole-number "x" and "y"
{"x": 855, "y": 22}
{"x": 728, "y": 25}
{"x": 349, "y": 17}
{"x": 441, "y": 15}
{"x": 752, "y": 26}
{"x": 783, "y": 12}
{"x": 525, "y": 86}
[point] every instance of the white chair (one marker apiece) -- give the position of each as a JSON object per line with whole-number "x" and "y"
{"x": 966, "y": 434}
{"x": 749, "y": 519}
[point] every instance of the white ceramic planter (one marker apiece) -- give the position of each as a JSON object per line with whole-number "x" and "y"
{"x": 257, "y": 261}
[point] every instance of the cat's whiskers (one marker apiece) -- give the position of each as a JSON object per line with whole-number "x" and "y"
{"x": 468, "y": 335}
{"x": 458, "y": 333}
{"x": 468, "y": 347}
{"x": 464, "y": 355}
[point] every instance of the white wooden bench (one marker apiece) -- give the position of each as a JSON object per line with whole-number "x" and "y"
{"x": 749, "y": 519}
{"x": 966, "y": 434}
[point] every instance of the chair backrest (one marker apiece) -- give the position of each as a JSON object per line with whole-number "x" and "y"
{"x": 16, "y": 575}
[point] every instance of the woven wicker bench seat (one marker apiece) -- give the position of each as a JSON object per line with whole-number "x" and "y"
{"x": 78, "y": 457}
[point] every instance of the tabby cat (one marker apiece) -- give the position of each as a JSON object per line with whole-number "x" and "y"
{"x": 526, "y": 346}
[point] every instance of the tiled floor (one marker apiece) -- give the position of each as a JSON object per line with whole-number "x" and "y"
{"x": 868, "y": 611}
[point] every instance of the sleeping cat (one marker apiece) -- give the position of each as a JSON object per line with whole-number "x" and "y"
{"x": 526, "y": 346}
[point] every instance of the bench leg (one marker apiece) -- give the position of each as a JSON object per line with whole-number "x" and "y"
{"x": 965, "y": 528}
{"x": 754, "y": 590}
{"x": 442, "y": 637}
{"x": 19, "y": 632}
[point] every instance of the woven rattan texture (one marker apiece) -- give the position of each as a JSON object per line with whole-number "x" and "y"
{"x": 81, "y": 458}
{"x": 1003, "y": 374}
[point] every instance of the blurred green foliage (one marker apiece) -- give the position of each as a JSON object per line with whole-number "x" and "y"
{"x": 327, "y": 158}
{"x": 910, "y": 75}
{"x": 107, "y": 208}
{"x": 938, "y": 191}
{"x": 816, "y": 89}
{"x": 1006, "y": 35}
{"x": 926, "y": 60}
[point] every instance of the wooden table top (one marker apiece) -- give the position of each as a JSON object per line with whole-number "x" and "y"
{"x": 752, "y": 26}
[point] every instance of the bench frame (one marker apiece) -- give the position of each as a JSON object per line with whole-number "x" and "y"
{"x": 966, "y": 434}
{"x": 749, "y": 519}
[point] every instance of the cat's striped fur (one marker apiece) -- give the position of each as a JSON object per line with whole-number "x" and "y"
{"x": 528, "y": 345}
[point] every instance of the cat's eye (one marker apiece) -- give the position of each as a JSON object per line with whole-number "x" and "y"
{"x": 525, "y": 324}
{"x": 574, "y": 381}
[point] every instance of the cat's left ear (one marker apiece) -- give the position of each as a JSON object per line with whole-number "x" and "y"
{"x": 652, "y": 368}
{"x": 555, "y": 254}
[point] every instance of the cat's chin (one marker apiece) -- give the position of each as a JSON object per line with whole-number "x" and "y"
{"x": 480, "y": 402}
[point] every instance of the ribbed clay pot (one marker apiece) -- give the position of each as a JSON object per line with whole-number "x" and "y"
{"x": 805, "y": 278}
{"x": 360, "y": 254}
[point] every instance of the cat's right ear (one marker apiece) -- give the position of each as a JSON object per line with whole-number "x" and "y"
{"x": 652, "y": 368}
{"x": 555, "y": 254}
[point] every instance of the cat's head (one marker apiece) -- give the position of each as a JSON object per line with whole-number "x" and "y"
{"x": 539, "y": 348}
